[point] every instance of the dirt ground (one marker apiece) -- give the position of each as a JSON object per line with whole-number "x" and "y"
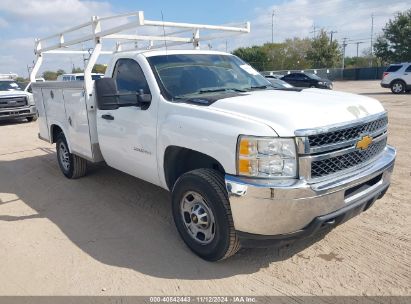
{"x": 112, "y": 234}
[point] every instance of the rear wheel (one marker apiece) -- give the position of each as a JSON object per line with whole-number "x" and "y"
{"x": 398, "y": 87}
{"x": 71, "y": 165}
{"x": 202, "y": 214}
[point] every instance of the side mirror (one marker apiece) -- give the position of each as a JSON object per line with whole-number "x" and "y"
{"x": 108, "y": 97}
{"x": 143, "y": 99}
{"x": 106, "y": 93}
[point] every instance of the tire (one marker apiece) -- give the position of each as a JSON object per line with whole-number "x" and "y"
{"x": 71, "y": 165}
{"x": 204, "y": 188}
{"x": 398, "y": 87}
{"x": 31, "y": 118}
{"x": 312, "y": 86}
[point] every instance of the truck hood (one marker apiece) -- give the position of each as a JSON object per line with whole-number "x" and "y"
{"x": 13, "y": 93}
{"x": 287, "y": 111}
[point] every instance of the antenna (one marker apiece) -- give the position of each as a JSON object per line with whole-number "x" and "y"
{"x": 164, "y": 31}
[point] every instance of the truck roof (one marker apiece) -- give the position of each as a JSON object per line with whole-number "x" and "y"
{"x": 151, "y": 53}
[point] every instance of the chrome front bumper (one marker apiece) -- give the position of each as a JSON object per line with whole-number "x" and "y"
{"x": 20, "y": 112}
{"x": 272, "y": 207}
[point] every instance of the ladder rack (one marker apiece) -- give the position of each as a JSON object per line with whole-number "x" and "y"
{"x": 184, "y": 33}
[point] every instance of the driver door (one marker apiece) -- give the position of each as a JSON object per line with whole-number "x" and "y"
{"x": 127, "y": 135}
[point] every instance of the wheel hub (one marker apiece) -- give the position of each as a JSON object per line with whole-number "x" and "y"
{"x": 198, "y": 217}
{"x": 64, "y": 156}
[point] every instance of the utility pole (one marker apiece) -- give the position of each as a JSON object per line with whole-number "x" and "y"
{"x": 358, "y": 43}
{"x": 344, "y": 45}
{"x": 372, "y": 34}
{"x": 272, "y": 26}
{"x": 226, "y": 46}
{"x": 331, "y": 36}
{"x": 29, "y": 70}
{"x": 314, "y": 30}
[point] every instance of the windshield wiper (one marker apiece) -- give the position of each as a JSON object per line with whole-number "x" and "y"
{"x": 220, "y": 90}
{"x": 261, "y": 87}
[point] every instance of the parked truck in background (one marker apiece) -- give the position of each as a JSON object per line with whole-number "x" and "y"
{"x": 247, "y": 165}
{"x": 15, "y": 102}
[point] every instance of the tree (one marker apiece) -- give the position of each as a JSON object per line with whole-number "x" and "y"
{"x": 291, "y": 54}
{"x": 77, "y": 70}
{"x": 60, "y": 72}
{"x": 323, "y": 52}
{"x": 49, "y": 75}
{"x": 99, "y": 68}
{"x": 395, "y": 42}
{"x": 254, "y": 55}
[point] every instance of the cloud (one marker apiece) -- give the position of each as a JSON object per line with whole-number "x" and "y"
{"x": 296, "y": 18}
{"x": 33, "y": 18}
{"x": 50, "y": 11}
{"x": 3, "y": 23}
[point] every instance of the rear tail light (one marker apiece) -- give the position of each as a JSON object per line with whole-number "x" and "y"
{"x": 384, "y": 74}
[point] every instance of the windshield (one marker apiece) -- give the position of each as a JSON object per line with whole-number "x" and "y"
{"x": 9, "y": 86}
{"x": 185, "y": 75}
{"x": 313, "y": 76}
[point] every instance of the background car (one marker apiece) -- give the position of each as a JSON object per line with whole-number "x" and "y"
{"x": 277, "y": 76}
{"x": 397, "y": 77}
{"x": 307, "y": 80}
{"x": 278, "y": 83}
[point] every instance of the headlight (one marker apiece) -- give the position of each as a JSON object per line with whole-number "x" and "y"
{"x": 266, "y": 157}
{"x": 30, "y": 99}
{"x": 321, "y": 83}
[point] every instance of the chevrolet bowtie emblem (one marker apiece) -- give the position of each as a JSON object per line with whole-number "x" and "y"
{"x": 364, "y": 142}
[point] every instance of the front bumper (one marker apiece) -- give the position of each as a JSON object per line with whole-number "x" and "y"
{"x": 267, "y": 210}
{"x": 385, "y": 85}
{"x": 20, "y": 112}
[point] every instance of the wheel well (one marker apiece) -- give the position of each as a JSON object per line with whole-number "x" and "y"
{"x": 55, "y": 131}
{"x": 178, "y": 160}
{"x": 397, "y": 79}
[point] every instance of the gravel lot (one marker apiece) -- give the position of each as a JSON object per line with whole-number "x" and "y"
{"x": 112, "y": 234}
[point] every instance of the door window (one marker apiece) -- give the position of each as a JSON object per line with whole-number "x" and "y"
{"x": 408, "y": 69}
{"x": 130, "y": 79}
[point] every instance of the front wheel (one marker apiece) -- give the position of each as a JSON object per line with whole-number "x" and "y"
{"x": 31, "y": 118}
{"x": 398, "y": 87}
{"x": 71, "y": 165}
{"x": 202, "y": 214}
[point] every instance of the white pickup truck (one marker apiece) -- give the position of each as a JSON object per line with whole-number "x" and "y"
{"x": 247, "y": 165}
{"x": 14, "y": 102}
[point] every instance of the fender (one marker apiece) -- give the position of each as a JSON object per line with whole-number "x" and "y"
{"x": 204, "y": 130}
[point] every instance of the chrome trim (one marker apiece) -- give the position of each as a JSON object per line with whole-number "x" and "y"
{"x": 306, "y": 161}
{"x": 287, "y": 207}
{"x": 347, "y": 143}
{"x": 342, "y": 151}
{"x": 339, "y": 126}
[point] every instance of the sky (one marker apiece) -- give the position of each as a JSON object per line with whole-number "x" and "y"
{"x": 21, "y": 21}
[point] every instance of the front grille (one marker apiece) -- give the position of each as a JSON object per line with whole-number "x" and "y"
{"x": 348, "y": 133}
{"x": 13, "y": 102}
{"x": 335, "y": 164}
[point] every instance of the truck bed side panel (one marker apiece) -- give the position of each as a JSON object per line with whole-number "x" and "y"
{"x": 42, "y": 119}
{"x": 78, "y": 123}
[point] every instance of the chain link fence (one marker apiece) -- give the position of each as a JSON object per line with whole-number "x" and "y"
{"x": 369, "y": 73}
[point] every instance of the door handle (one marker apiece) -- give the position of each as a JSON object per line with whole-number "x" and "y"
{"x": 107, "y": 116}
